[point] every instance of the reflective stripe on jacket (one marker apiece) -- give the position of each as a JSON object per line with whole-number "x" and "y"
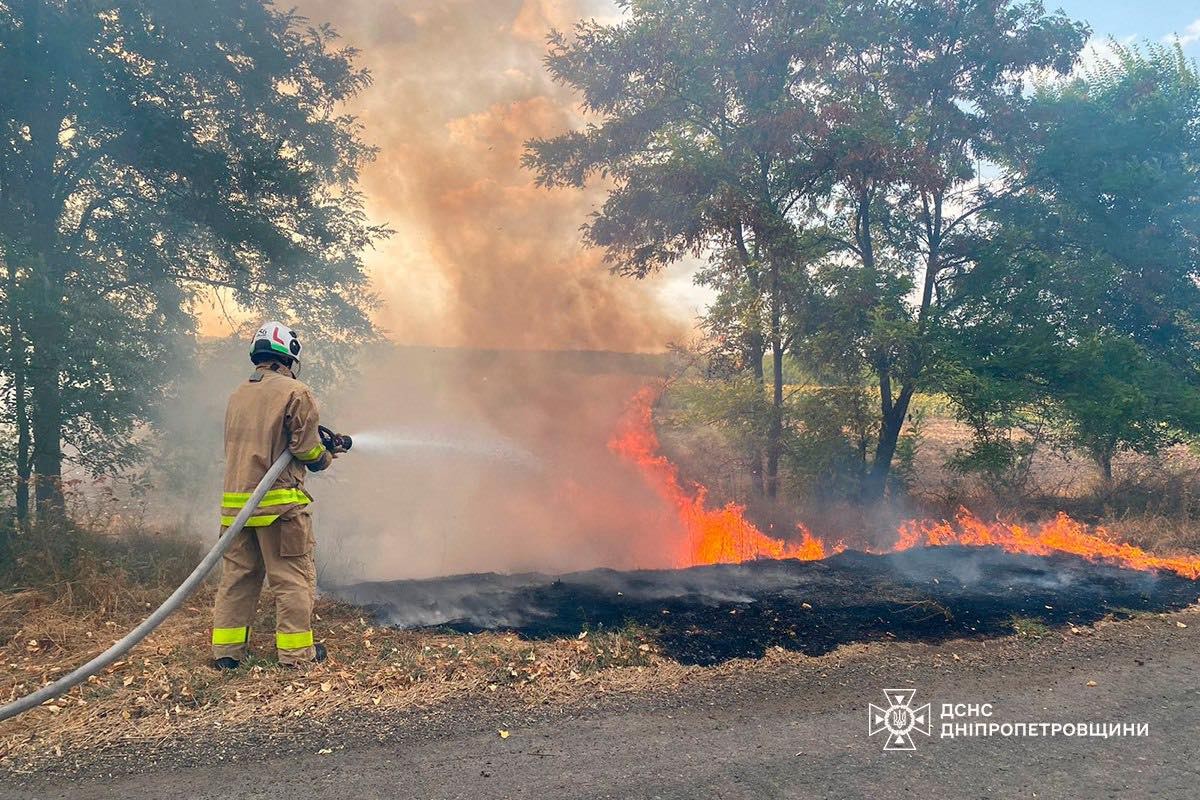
{"x": 268, "y": 414}
{"x": 274, "y": 503}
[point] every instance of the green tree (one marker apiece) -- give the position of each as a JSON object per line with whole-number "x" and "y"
{"x": 709, "y": 133}
{"x": 153, "y": 151}
{"x": 14, "y": 414}
{"x": 776, "y": 135}
{"x": 1082, "y": 297}
{"x": 920, "y": 92}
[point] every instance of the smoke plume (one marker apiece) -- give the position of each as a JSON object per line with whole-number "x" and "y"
{"x": 481, "y": 256}
{"x": 478, "y": 461}
{"x": 484, "y": 424}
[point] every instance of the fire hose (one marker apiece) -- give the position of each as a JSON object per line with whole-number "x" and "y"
{"x": 333, "y": 441}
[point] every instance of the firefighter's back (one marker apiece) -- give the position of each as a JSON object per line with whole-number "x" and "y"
{"x": 256, "y": 429}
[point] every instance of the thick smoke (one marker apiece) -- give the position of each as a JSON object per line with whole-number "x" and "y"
{"x": 485, "y": 423}
{"x": 478, "y": 461}
{"x": 481, "y": 256}
{"x": 487, "y": 460}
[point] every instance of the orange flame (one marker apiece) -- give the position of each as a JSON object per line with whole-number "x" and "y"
{"x": 714, "y": 536}
{"x": 1059, "y": 535}
{"x": 724, "y": 535}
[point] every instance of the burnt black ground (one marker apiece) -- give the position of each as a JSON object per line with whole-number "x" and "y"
{"x": 706, "y": 615}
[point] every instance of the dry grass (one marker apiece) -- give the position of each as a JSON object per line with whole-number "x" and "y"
{"x": 166, "y": 688}
{"x": 1153, "y": 502}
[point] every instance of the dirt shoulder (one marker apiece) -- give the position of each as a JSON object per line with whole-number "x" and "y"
{"x": 782, "y": 726}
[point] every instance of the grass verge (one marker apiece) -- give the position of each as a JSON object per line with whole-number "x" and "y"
{"x": 166, "y": 688}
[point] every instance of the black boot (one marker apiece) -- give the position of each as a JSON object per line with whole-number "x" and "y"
{"x": 226, "y": 664}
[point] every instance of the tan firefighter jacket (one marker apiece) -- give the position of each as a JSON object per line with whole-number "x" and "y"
{"x": 269, "y": 413}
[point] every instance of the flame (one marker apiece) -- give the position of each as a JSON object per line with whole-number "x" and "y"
{"x": 1059, "y": 535}
{"x": 712, "y": 536}
{"x": 724, "y": 535}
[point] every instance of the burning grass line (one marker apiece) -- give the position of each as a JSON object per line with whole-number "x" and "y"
{"x": 724, "y": 535}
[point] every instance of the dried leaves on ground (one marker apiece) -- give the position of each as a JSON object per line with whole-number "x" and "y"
{"x": 165, "y": 687}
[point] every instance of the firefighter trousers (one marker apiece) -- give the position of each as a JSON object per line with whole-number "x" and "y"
{"x": 281, "y": 552}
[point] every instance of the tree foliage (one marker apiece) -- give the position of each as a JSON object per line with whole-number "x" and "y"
{"x": 822, "y": 156}
{"x": 1082, "y": 298}
{"x": 153, "y": 151}
{"x": 711, "y": 131}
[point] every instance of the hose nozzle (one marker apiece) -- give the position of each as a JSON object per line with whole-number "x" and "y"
{"x": 334, "y": 442}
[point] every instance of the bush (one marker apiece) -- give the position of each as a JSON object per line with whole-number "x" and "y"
{"x": 830, "y": 431}
{"x": 102, "y": 571}
{"x": 1000, "y": 462}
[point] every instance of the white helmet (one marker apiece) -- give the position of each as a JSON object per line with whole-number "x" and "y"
{"x": 277, "y": 339}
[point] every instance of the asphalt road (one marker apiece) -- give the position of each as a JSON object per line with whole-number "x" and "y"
{"x": 784, "y": 728}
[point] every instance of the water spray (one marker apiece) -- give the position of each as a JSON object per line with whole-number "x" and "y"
{"x": 399, "y": 440}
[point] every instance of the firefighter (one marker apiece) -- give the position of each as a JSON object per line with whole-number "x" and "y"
{"x": 268, "y": 413}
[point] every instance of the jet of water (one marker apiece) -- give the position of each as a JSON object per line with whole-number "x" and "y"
{"x": 399, "y": 440}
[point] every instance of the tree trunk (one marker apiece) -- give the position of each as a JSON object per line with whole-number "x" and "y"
{"x": 893, "y": 413}
{"x": 24, "y": 465}
{"x": 1105, "y": 460}
{"x": 775, "y": 429}
{"x": 47, "y": 329}
{"x": 47, "y": 332}
{"x": 47, "y": 337}
{"x": 47, "y": 423}
{"x": 756, "y": 351}
{"x": 20, "y": 409}
{"x": 891, "y": 423}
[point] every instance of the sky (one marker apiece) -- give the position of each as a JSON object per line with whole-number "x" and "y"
{"x": 1153, "y": 20}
